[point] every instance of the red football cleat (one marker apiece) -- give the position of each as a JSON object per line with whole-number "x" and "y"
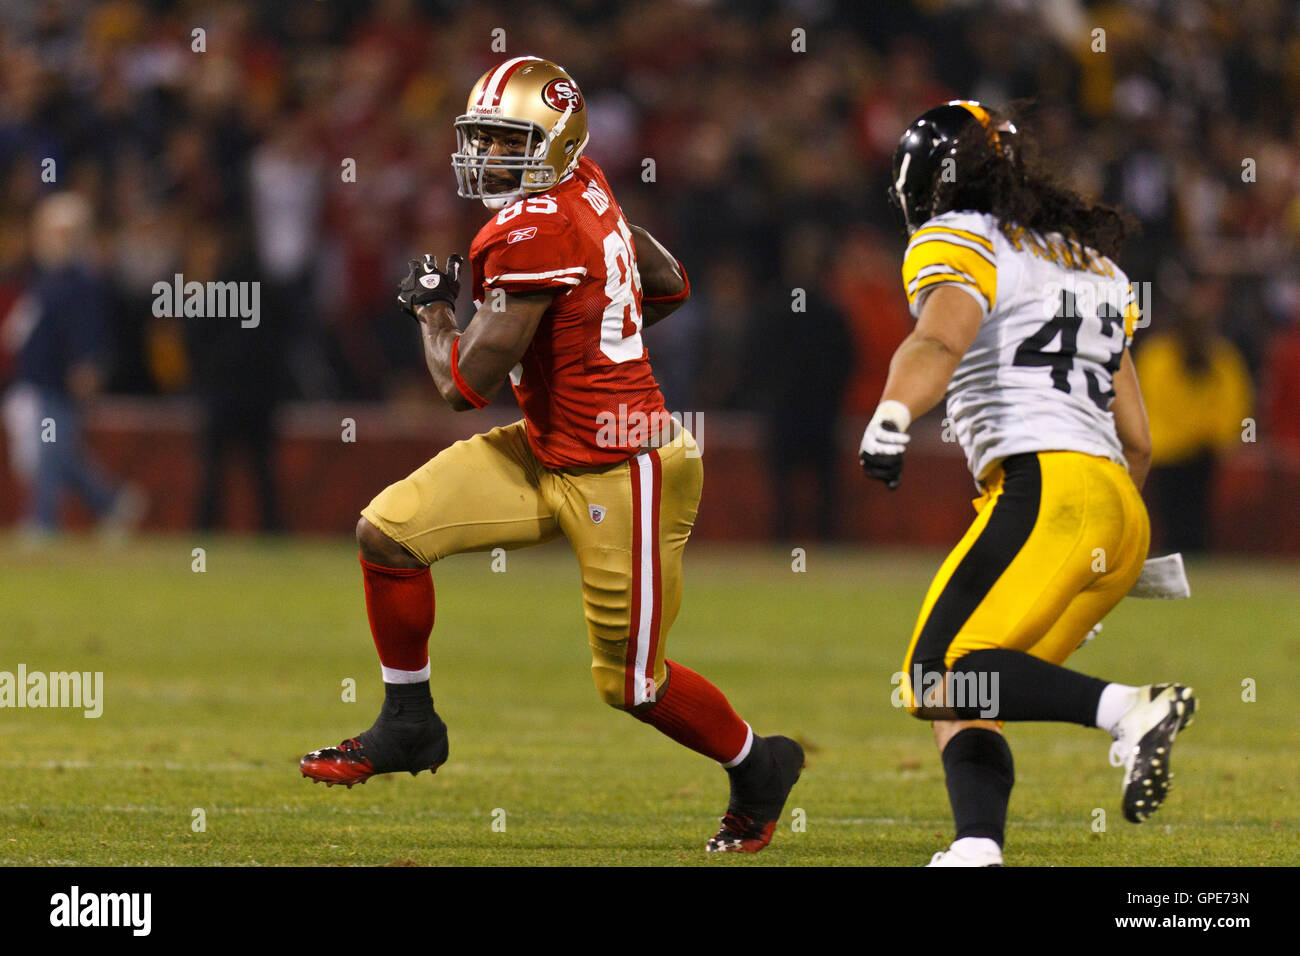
{"x": 740, "y": 834}
{"x": 342, "y": 764}
{"x": 384, "y": 748}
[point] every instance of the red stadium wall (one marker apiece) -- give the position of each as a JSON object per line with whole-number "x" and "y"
{"x": 324, "y": 481}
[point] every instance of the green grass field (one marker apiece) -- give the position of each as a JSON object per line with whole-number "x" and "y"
{"x": 216, "y": 682}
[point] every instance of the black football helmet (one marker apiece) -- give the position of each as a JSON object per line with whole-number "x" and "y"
{"x": 930, "y": 140}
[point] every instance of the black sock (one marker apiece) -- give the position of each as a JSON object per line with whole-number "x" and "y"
{"x": 1028, "y": 688}
{"x": 407, "y": 703}
{"x": 979, "y": 771}
{"x": 758, "y": 786}
{"x": 755, "y": 768}
{"x": 407, "y": 735}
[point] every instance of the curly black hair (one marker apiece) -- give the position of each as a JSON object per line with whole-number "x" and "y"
{"x": 1007, "y": 180}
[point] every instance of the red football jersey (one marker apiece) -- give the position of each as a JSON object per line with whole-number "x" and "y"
{"x": 584, "y": 384}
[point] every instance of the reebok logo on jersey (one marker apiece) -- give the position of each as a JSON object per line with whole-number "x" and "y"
{"x": 519, "y": 235}
{"x": 597, "y": 513}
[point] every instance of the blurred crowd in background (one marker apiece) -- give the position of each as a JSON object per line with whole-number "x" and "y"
{"x": 771, "y": 126}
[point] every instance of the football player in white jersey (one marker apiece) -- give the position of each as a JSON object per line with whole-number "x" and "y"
{"x": 1023, "y": 321}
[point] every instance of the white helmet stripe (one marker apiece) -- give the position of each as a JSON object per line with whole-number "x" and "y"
{"x": 491, "y": 92}
{"x": 902, "y": 171}
{"x": 898, "y": 189}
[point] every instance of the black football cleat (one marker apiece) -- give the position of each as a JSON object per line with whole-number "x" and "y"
{"x": 387, "y": 747}
{"x": 758, "y": 795}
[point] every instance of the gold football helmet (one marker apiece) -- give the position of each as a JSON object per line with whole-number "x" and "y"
{"x": 528, "y": 102}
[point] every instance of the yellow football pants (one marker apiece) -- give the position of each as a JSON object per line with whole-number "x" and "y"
{"x": 1059, "y": 539}
{"x": 627, "y": 523}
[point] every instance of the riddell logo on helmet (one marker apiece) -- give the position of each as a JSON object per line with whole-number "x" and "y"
{"x": 562, "y": 94}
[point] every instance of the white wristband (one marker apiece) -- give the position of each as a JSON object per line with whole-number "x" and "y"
{"x": 895, "y": 412}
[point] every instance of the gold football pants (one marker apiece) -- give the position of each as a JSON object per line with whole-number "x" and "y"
{"x": 627, "y": 523}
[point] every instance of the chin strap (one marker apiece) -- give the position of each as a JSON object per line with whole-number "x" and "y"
{"x": 500, "y": 202}
{"x": 545, "y": 145}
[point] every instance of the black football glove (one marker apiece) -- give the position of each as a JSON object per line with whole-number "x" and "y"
{"x": 425, "y": 284}
{"x": 884, "y": 442}
{"x": 886, "y": 468}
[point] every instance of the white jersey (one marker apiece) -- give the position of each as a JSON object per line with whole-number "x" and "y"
{"x": 1038, "y": 376}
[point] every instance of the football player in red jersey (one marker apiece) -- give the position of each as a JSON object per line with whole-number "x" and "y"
{"x": 563, "y": 287}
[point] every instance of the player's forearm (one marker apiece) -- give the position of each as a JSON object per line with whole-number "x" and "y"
{"x": 1139, "y": 464}
{"x": 919, "y": 373}
{"x": 652, "y": 312}
{"x": 1131, "y": 425}
{"x": 672, "y": 291}
{"x": 439, "y": 333}
{"x": 1135, "y": 443}
{"x": 660, "y": 275}
{"x": 664, "y": 286}
{"x": 469, "y": 368}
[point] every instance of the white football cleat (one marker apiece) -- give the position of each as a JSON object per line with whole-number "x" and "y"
{"x": 1145, "y": 736}
{"x": 969, "y": 851}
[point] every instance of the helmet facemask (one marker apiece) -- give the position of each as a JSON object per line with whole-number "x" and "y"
{"x": 523, "y": 130}
{"x": 528, "y": 168}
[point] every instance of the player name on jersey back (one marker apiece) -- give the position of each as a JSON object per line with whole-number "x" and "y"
{"x": 1055, "y": 322}
{"x": 586, "y": 360}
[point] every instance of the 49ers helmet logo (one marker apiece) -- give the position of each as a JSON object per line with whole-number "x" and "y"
{"x": 561, "y": 94}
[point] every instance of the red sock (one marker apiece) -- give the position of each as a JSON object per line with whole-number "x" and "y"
{"x": 696, "y": 714}
{"x": 399, "y": 603}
